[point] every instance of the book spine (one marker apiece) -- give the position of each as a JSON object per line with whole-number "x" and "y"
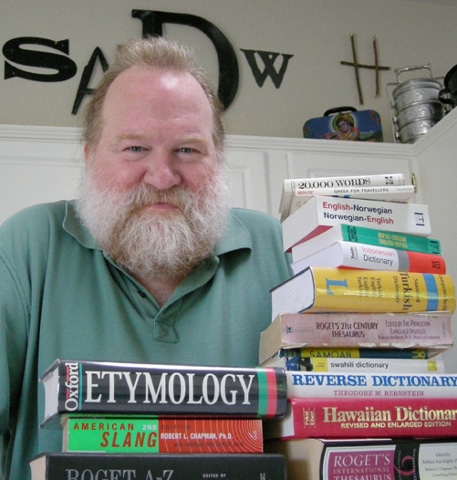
{"x": 353, "y": 418}
{"x": 320, "y": 213}
{"x": 370, "y": 236}
{"x": 308, "y": 354}
{"x": 351, "y": 353}
{"x": 421, "y": 460}
{"x": 365, "y": 256}
{"x": 368, "y": 459}
{"x": 401, "y": 194}
{"x": 381, "y": 291}
{"x": 79, "y": 466}
{"x": 398, "y": 240}
{"x": 370, "y": 385}
{"x": 291, "y": 185}
{"x": 109, "y": 387}
{"x": 162, "y": 435}
{"x": 292, "y": 362}
{"x": 409, "y": 330}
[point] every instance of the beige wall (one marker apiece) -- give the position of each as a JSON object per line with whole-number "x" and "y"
{"x": 316, "y": 32}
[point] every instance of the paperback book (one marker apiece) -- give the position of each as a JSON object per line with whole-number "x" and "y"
{"x": 423, "y": 330}
{"x": 292, "y": 359}
{"x": 320, "y": 213}
{"x": 298, "y": 187}
{"x": 73, "y": 386}
{"x": 360, "y": 352}
{"x": 327, "y": 289}
{"x": 82, "y": 466}
{"x": 371, "y": 236}
{"x": 368, "y": 459}
{"x": 123, "y": 434}
{"x": 354, "y": 417}
{"x": 344, "y": 254}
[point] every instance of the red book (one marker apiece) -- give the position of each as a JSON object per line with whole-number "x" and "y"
{"x": 156, "y": 435}
{"x": 361, "y": 417}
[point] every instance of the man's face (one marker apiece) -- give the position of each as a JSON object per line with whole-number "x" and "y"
{"x": 157, "y": 130}
{"x": 155, "y": 197}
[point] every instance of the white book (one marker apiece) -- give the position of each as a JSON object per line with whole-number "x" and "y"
{"x": 297, "y": 191}
{"x": 321, "y": 212}
{"x": 372, "y": 257}
{"x": 347, "y": 365}
{"x": 383, "y": 385}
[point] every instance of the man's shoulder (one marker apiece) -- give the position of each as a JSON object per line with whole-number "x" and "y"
{"x": 36, "y": 219}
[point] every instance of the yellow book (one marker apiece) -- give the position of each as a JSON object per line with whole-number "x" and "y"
{"x": 322, "y": 289}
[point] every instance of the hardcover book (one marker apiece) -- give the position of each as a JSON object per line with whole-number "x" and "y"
{"x": 82, "y": 466}
{"x": 424, "y": 330}
{"x": 73, "y": 386}
{"x": 161, "y": 435}
{"x": 386, "y": 193}
{"x": 326, "y": 289}
{"x": 354, "y": 417}
{"x": 371, "y": 236}
{"x": 367, "y": 385}
{"x": 343, "y": 254}
{"x": 368, "y": 459}
{"x": 320, "y": 213}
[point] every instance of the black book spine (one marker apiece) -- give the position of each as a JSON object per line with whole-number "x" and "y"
{"x": 63, "y": 466}
{"x": 143, "y": 389}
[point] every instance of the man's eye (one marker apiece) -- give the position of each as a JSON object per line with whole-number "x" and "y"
{"x": 135, "y": 149}
{"x": 186, "y": 150}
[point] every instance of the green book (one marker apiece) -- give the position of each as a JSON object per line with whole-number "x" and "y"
{"x": 370, "y": 236}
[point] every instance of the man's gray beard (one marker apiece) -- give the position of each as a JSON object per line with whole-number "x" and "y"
{"x": 169, "y": 245}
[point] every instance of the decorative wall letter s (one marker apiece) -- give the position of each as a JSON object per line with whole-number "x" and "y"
{"x": 13, "y": 51}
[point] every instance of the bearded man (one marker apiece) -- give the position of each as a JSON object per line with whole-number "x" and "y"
{"x": 150, "y": 264}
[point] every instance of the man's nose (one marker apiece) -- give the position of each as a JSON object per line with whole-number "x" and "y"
{"x": 162, "y": 171}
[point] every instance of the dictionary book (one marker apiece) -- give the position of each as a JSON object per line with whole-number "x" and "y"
{"x": 387, "y": 193}
{"x": 370, "y": 236}
{"x": 328, "y": 289}
{"x": 123, "y": 434}
{"x": 344, "y": 254}
{"x": 368, "y": 385}
{"x": 421, "y": 330}
{"x": 354, "y": 416}
{"x": 292, "y": 359}
{"x": 320, "y": 213}
{"x": 148, "y": 389}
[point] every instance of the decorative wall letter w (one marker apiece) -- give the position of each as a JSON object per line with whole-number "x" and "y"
{"x": 268, "y": 59}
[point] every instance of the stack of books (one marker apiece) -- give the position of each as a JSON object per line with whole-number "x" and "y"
{"x": 145, "y": 421}
{"x": 359, "y": 328}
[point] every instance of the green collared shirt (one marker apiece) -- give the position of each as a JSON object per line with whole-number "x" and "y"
{"x": 61, "y": 297}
